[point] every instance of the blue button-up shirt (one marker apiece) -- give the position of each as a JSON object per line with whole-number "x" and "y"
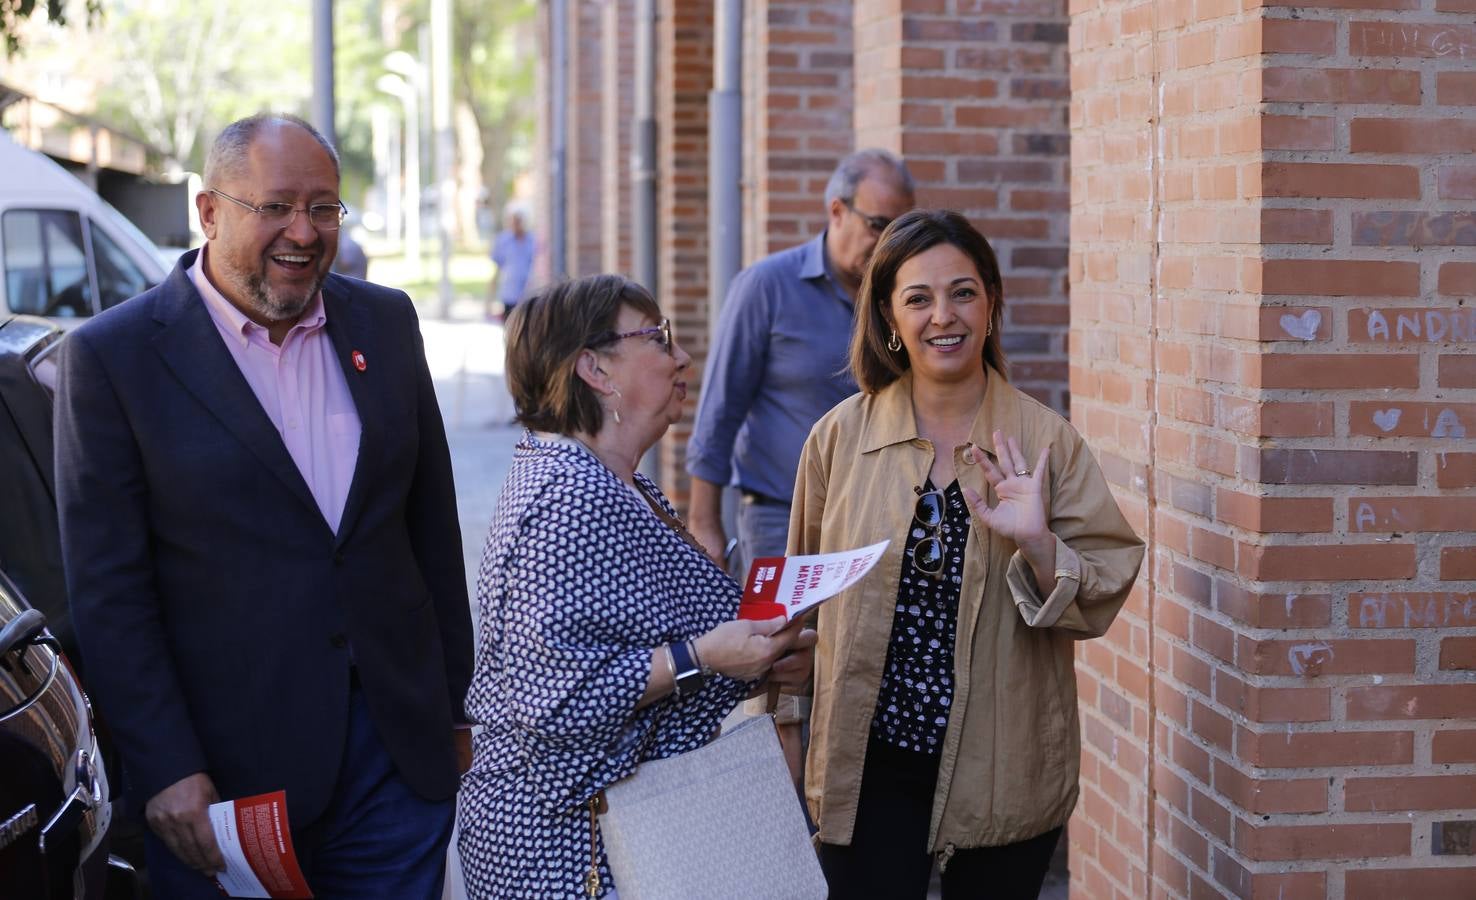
{"x": 777, "y": 365}
{"x": 514, "y": 258}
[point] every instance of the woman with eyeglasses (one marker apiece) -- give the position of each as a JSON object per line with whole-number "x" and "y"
{"x": 607, "y": 635}
{"x": 944, "y": 726}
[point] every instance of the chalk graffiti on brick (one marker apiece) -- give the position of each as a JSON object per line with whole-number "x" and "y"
{"x": 1434, "y": 326}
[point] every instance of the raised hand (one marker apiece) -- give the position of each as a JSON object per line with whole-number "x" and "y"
{"x": 1020, "y": 514}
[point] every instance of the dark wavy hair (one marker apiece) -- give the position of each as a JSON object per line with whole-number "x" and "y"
{"x": 872, "y": 364}
{"x": 546, "y": 333}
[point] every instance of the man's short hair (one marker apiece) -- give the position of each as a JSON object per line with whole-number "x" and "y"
{"x": 854, "y": 168}
{"x": 228, "y": 152}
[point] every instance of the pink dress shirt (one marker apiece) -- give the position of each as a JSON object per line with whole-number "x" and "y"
{"x": 302, "y": 389}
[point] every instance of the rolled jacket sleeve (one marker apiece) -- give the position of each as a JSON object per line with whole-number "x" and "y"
{"x": 1097, "y": 553}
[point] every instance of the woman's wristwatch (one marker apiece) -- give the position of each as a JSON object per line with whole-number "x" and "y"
{"x": 689, "y": 675}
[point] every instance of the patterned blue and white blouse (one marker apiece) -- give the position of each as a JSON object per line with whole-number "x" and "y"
{"x": 579, "y": 581}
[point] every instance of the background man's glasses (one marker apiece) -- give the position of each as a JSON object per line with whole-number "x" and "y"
{"x": 878, "y": 224}
{"x": 927, "y": 555}
{"x": 663, "y": 332}
{"x": 324, "y": 216}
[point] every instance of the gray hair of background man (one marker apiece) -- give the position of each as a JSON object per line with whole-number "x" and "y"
{"x": 854, "y": 168}
{"x": 228, "y": 153}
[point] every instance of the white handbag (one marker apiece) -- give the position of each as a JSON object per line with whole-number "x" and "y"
{"x": 721, "y": 822}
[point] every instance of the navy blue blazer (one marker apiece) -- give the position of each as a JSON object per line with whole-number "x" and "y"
{"x": 216, "y": 611}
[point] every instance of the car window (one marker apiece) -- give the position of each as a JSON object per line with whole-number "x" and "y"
{"x": 45, "y": 265}
{"x": 118, "y": 277}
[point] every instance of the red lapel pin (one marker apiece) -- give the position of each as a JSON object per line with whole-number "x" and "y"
{"x": 359, "y": 362}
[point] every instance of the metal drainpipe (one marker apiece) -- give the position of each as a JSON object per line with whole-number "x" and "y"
{"x": 558, "y": 217}
{"x": 643, "y": 175}
{"x": 725, "y": 157}
{"x": 643, "y": 161}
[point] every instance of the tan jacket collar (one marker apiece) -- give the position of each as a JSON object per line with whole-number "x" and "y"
{"x": 892, "y": 420}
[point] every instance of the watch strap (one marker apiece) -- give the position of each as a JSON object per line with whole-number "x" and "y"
{"x": 689, "y": 678}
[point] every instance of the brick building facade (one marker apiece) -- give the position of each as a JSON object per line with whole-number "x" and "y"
{"x": 1262, "y": 217}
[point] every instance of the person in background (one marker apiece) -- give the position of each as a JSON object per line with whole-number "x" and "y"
{"x": 512, "y": 252}
{"x": 260, "y": 539}
{"x": 944, "y": 725}
{"x": 608, "y": 636}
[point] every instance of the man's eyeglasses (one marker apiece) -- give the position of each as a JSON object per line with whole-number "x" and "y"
{"x": 877, "y": 224}
{"x": 324, "y": 216}
{"x": 927, "y": 555}
{"x": 662, "y": 331}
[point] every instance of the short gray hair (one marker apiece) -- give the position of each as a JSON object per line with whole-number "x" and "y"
{"x": 854, "y": 168}
{"x": 228, "y": 153}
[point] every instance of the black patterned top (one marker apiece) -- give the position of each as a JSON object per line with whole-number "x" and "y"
{"x": 917, "y": 682}
{"x": 579, "y": 581}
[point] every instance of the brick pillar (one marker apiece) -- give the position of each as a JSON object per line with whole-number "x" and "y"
{"x": 684, "y": 78}
{"x": 973, "y": 94}
{"x": 585, "y": 183}
{"x": 800, "y": 93}
{"x": 1271, "y": 242}
{"x": 618, "y": 44}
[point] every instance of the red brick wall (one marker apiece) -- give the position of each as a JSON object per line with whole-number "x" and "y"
{"x": 973, "y": 94}
{"x": 618, "y": 106}
{"x": 799, "y": 98}
{"x": 586, "y": 138}
{"x": 1240, "y": 273}
{"x": 684, "y": 78}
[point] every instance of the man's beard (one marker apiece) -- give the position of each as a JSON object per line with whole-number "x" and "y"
{"x": 273, "y": 305}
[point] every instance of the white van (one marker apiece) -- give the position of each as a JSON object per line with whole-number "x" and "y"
{"x": 64, "y": 252}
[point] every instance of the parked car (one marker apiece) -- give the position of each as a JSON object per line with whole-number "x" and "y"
{"x": 55, "y": 808}
{"x": 65, "y": 253}
{"x": 30, "y": 542}
{"x": 55, "y": 804}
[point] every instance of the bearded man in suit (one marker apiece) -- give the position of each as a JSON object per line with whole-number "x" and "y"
{"x": 260, "y": 538}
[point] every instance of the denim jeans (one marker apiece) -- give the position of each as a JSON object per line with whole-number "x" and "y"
{"x": 763, "y": 530}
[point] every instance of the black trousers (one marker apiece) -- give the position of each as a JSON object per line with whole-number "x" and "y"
{"x": 888, "y": 856}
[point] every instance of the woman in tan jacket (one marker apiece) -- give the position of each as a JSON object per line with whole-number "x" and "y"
{"x": 944, "y": 726}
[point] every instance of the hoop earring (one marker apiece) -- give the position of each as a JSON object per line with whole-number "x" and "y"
{"x": 615, "y": 410}
{"x": 894, "y": 343}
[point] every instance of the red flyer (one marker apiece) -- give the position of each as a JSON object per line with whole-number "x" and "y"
{"x": 789, "y": 585}
{"x": 256, "y": 841}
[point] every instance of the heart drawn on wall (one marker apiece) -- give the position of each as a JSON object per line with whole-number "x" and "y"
{"x": 1387, "y": 419}
{"x": 1303, "y": 327}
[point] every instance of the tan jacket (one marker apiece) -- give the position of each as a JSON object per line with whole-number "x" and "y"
{"x": 1010, "y": 755}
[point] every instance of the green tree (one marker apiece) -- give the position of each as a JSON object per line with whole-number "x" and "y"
{"x": 173, "y": 71}
{"x": 15, "y": 13}
{"x": 493, "y": 69}
{"x": 495, "y": 64}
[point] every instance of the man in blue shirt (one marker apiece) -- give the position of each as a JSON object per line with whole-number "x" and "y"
{"x": 512, "y": 251}
{"x": 778, "y": 362}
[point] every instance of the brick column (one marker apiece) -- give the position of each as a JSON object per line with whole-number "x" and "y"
{"x": 800, "y": 94}
{"x": 973, "y": 94}
{"x": 618, "y": 44}
{"x": 684, "y": 78}
{"x": 587, "y": 148}
{"x": 1270, "y": 230}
